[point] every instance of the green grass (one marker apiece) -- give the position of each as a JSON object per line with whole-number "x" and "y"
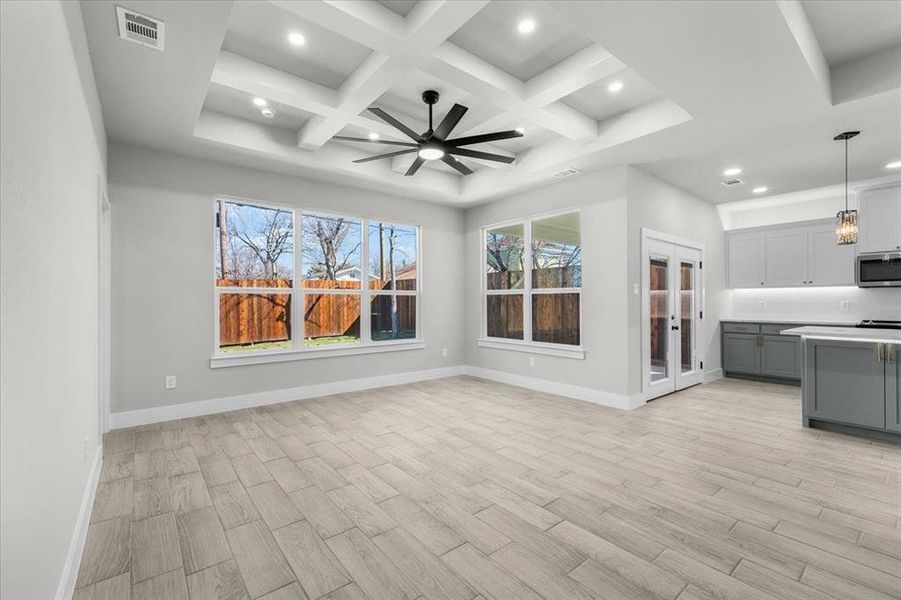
{"x": 327, "y": 340}
{"x": 331, "y": 340}
{"x": 283, "y": 345}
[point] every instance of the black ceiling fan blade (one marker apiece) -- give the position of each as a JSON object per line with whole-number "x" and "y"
{"x": 394, "y": 122}
{"x": 485, "y": 137}
{"x": 368, "y": 141}
{"x": 415, "y": 166}
{"x": 389, "y": 155}
{"x": 453, "y": 162}
{"x": 450, "y": 121}
{"x": 482, "y": 155}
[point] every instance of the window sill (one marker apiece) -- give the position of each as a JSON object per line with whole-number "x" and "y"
{"x": 533, "y": 348}
{"x": 277, "y": 356}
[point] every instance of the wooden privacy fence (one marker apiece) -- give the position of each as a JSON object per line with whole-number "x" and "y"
{"x": 255, "y": 318}
{"x": 555, "y": 317}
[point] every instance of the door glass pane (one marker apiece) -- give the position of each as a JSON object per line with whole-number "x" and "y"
{"x": 505, "y": 316}
{"x": 254, "y": 322}
{"x": 503, "y": 256}
{"x": 687, "y": 308}
{"x": 330, "y": 319}
{"x": 555, "y": 318}
{"x": 660, "y": 318}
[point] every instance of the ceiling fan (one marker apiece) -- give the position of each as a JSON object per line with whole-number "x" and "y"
{"x": 433, "y": 144}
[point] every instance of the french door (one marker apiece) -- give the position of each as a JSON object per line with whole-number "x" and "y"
{"x": 672, "y": 303}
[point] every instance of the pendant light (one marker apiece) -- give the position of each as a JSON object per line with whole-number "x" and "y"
{"x": 846, "y": 220}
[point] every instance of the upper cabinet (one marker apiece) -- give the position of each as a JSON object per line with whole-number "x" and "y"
{"x": 745, "y": 259}
{"x": 796, "y": 255}
{"x": 879, "y": 220}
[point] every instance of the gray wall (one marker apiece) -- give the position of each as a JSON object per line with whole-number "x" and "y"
{"x": 162, "y": 296}
{"x": 52, "y": 153}
{"x": 602, "y": 200}
{"x": 657, "y": 205}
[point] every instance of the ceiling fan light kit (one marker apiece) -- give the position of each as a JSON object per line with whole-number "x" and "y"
{"x": 434, "y": 144}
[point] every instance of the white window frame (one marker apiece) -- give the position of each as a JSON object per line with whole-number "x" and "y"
{"x": 527, "y": 344}
{"x": 297, "y": 349}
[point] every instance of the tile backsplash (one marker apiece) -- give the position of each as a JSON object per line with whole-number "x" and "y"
{"x": 812, "y": 304}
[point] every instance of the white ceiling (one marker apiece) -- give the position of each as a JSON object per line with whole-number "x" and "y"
{"x": 707, "y": 85}
{"x": 850, "y": 30}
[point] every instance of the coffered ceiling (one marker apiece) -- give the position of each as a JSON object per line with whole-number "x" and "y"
{"x": 698, "y": 85}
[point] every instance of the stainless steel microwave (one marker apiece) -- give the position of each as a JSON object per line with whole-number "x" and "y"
{"x": 879, "y": 269}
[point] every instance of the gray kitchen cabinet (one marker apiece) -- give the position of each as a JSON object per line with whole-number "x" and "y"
{"x": 741, "y": 353}
{"x": 759, "y": 350}
{"x": 844, "y": 382}
{"x": 893, "y": 387}
{"x": 780, "y": 356}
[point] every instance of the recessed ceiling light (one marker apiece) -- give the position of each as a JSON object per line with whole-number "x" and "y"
{"x": 296, "y": 38}
{"x": 526, "y": 26}
{"x": 521, "y": 130}
{"x": 894, "y": 165}
{"x": 259, "y": 102}
{"x": 731, "y": 171}
{"x": 373, "y": 135}
{"x": 615, "y": 86}
{"x": 268, "y": 113}
{"x": 760, "y": 189}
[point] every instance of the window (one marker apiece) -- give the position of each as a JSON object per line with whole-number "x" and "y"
{"x": 540, "y": 304}
{"x": 345, "y": 265}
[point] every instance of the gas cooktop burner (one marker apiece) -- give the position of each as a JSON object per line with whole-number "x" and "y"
{"x": 877, "y": 324}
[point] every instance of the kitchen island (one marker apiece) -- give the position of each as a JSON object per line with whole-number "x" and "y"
{"x": 851, "y": 379}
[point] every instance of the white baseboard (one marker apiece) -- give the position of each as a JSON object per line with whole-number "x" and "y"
{"x": 66, "y": 586}
{"x": 119, "y": 420}
{"x": 620, "y": 401}
{"x": 713, "y": 375}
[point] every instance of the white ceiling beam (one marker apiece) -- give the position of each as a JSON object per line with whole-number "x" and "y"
{"x": 239, "y": 73}
{"x": 806, "y": 38}
{"x": 464, "y": 70}
{"x": 571, "y": 75}
{"x": 425, "y": 29}
{"x": 367, "y": 23}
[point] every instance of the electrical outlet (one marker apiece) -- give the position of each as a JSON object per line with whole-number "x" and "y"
{"x": 170, "y": 382}
{"x": 635, "y": 289}
{"x": 444, "y": 352}
{"x": 531, "y": 361}
{"x": 762, "y": 304}
{"x": 87, "y": 449}
{"x": 845, "y": 306}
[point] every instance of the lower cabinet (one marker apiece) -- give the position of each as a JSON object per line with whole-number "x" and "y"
{"x": 780, "y": 356}
{"x": 845, "y": 382}
{"x": 893, "y": 388}
{"x": 759, "y": 349}
{"x": 741, "y": 353}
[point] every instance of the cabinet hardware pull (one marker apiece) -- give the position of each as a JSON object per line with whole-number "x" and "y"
{"x": 890, "y": 353}
{"x": 879, "y": 352}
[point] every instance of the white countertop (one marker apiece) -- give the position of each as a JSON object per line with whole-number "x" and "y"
{"x": 791, "y": 322}
{"x": 846, "y": 333}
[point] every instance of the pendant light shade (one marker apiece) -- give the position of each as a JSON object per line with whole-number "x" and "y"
{"x": 846, "y": 220}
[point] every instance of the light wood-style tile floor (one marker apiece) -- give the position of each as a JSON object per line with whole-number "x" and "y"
{"x": 463, "y": 489}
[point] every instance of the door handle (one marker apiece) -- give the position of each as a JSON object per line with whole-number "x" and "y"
{"x": 675, "y": 328}
{"x": 880, "y": 348}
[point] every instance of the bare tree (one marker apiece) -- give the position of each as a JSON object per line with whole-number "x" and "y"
{"x": 267, "y": 237}
{"x": 329, "y": 254}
